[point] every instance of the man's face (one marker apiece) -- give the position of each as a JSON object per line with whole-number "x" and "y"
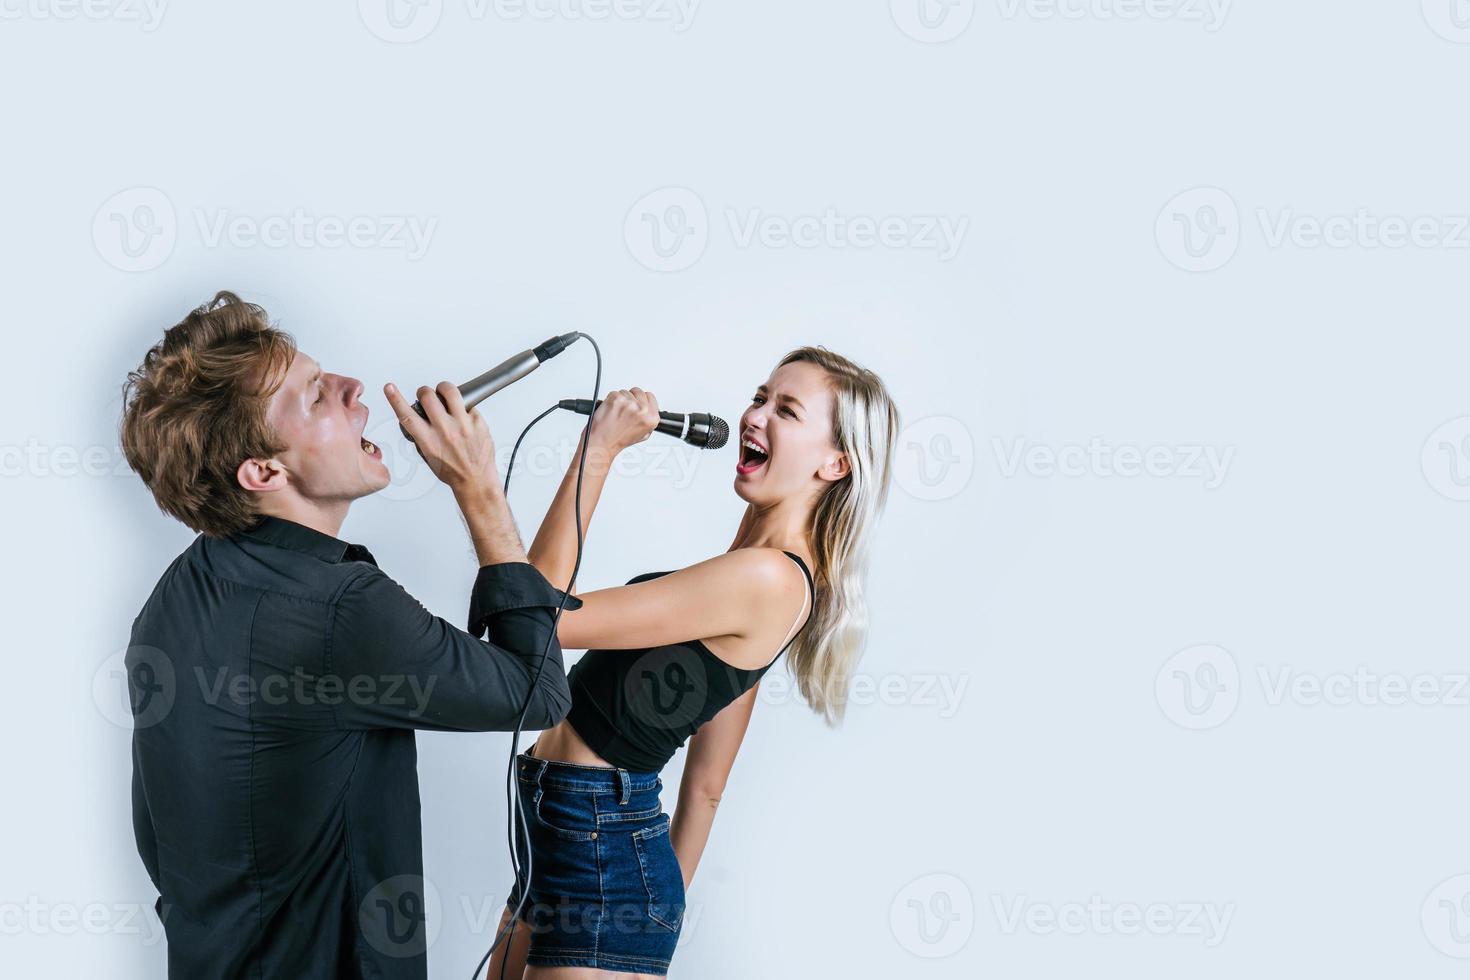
{"x": 319, "y": 417}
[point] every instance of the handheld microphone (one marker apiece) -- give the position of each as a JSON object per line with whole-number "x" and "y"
{"x": 511, "y": 370}
{"x": 697, "y": 428}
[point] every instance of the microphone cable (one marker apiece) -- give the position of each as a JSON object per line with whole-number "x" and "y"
{"x": 516, "y": 827}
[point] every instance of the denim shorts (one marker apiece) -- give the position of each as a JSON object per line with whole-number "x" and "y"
{"x": 606, "y": 888}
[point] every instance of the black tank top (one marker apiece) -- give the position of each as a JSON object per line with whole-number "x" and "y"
{"x": 636, "y": 708}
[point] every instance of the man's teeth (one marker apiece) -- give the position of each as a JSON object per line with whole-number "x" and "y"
{"x": 368, "y": 447}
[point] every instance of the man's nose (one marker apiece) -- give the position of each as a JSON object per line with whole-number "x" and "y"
{"x": 353, "y": 389}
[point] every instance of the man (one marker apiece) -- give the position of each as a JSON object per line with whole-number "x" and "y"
{"x": 278, "y": 675}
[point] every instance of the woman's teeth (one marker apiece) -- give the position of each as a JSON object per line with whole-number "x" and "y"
{"x": 370, "y": 448}
{"x": 752, "y": 457}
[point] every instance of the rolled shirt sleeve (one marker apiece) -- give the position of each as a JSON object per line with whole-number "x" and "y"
{"x": 417, "y": 670}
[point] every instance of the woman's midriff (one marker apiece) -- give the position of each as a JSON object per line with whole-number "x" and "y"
{"x": 563, "y": 744}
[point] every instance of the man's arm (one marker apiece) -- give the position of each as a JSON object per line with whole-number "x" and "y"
{"x": 413, "y": 669}
{"x": 416, "y": 670}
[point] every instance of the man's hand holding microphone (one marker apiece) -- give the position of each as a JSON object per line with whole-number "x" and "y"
{"x": 457, "y": 446}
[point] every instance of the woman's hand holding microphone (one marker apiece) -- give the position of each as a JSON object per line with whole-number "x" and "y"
{"x": 626, "y": 417}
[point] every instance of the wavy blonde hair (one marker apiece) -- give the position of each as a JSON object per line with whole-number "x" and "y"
{"x": 865, "y": 423}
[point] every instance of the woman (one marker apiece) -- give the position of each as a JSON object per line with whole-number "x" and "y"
{"x": 678, "y": 655}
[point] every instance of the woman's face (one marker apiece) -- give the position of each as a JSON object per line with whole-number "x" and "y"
{"x": 786, "y": 445}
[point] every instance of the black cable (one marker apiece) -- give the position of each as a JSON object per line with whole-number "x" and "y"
{"x": 517, "y": 819}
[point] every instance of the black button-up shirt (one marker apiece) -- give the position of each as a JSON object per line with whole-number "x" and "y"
{"x": 277, "y": 677}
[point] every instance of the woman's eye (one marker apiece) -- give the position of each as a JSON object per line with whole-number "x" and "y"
{"x": 789, "y": 411}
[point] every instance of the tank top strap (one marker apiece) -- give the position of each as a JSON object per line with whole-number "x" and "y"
{"x": 811, "y": 607}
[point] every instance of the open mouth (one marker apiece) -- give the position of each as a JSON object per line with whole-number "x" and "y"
{"x": 371, "y": 449}
{"x": 752, "y": 457}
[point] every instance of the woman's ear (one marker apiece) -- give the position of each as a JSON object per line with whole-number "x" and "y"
{"x": 835, "y": 468}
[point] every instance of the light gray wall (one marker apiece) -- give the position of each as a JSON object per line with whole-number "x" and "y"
{"x": 1093, "y": 738}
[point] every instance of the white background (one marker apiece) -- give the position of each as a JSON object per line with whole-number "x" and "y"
{"x": 1138, "y": 187}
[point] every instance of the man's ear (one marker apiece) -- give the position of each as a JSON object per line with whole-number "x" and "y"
{"x": 835, "y": 468}
{"x": 263, "y": 475}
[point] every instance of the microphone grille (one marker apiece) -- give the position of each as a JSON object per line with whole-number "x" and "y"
{"x": 719, "y": 433}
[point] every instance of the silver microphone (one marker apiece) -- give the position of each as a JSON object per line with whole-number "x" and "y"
{"x": 507, "y": 372}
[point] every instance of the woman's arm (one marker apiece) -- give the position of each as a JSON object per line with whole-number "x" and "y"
{"x": 711, "y": 754}
{"x": 624, "y": 418}
{"x": 748, "y": 593}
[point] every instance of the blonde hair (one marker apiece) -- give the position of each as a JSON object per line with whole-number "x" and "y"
{"x": 865, "y": 423}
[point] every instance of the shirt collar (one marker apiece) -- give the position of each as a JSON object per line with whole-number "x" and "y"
{"x": 284, "y": 533}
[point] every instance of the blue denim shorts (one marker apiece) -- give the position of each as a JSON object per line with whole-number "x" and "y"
{"x": 606, "y": 888}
